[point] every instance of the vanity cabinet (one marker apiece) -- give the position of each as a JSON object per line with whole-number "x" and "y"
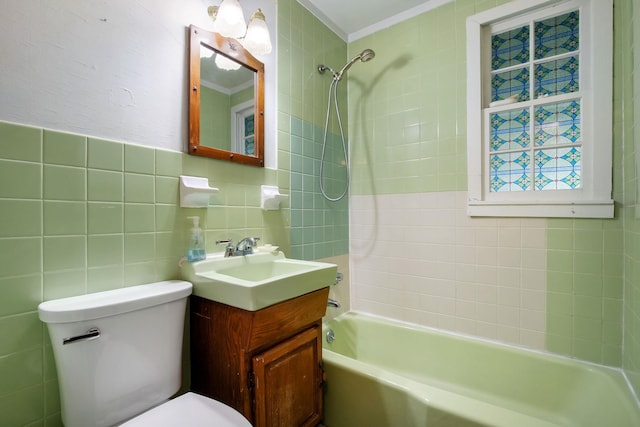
{"x": 264, "y": 363}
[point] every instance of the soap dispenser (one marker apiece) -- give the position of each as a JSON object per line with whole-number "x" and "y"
{"x": 196, "y": 250}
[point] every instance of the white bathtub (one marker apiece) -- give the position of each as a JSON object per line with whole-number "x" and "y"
{"x": 385, "y": 373}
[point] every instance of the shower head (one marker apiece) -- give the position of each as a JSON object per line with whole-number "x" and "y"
{"x": 367, "y": 55}
{"x": 364, "y": 56}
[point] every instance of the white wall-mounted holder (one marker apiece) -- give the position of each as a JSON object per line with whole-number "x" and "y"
{"x": 271, "y": 197}
{"x": 195, "y": 192}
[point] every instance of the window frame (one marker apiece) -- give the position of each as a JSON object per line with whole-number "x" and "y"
{"x": 593, "y": 199}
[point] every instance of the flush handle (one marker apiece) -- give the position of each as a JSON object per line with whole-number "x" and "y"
{"x": 91, "y": 334}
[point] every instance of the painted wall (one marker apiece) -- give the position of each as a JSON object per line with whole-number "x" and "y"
{"x": 115, "y": 70}
{"x": 550, "y": 284}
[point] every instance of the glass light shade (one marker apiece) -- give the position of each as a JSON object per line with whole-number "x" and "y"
{"x": 225, "y": 63}
{"x": 230, "y": 20}
{"x": 257, "y": 41}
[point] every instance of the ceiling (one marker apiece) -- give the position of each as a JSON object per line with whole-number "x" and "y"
{"x": 354, "y": 19}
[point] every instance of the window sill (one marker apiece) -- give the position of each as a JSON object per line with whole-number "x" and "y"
{"x": 595, "y": 209}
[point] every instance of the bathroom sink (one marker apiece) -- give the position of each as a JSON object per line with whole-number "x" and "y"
{"x": 256, "y": 281}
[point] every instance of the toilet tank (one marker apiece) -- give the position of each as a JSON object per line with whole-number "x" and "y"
{"x": 134, "y": 363}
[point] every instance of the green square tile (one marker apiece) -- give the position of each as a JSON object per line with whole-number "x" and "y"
{"x": 612, "y": 355}
{"x": 138, "y": 159}
{"x": 588, "y": 285}
{"x": 50, "y": 372}
{"x": 19, "y": 333}
{"x": 20, "y": 142}
{"x": 590, "y": 351}
{"x": 587, "y": 329}
{"x": 560, "y": 260}
{"x": 139, "y": 188}
{"x": 20, "y": 256}
{"x": 613, "y": 265}
{"x": 612, "y": 332}
{"x": 588, "y": 262}
{"x": 65, "y": 218}
{"x": 171, "y": 245}
{"x": 559, "y": 303}
{"x": 64, "y": 283}
{"x": 139, "y": 218}
{"x": 105, "y": 250}
{"x": 20, "y": 180}
{"x": 20, "y": 295}
{"x": 140, "y": 273}
{"x": 589, "y": 240}
{"x": 104, "y": 218}
{"x": 22, "y": 407}
{"x": 560, "y": 239}
{"x": 167, "y": 190}
{"x": 104, "y": 154}
{"x": 64, "y": 148}
{"x": 587, "y": 306}
{"x": 613, "y": 288}
{"x": 20, "y": 370}
{"x": 168, "y": 163}
{"x": 64, "y": 183}
{"x": 20, "y": 218}
{"x": 64, "y": 253}
{"x": 105, "y": 278}
{"x": 52, "y": 401}
{"x": 559, "y": 344}
{"x": 139, "y": 247}
{"x": 105, "y": 186}
{"x": 167, "y": 219}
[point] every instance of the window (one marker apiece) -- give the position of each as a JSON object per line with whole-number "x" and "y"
{"x": 539, "y": 109}
{"x": 242, "y": 128}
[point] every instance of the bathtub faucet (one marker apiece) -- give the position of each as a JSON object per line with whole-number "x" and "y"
{"x": 333, "y": 303}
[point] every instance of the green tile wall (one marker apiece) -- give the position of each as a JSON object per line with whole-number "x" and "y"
{"x": 80, "y": 214}
{"x": 319, "y": 228}
{"x": 627, "y": 90}
{"x": 407, "y": 122}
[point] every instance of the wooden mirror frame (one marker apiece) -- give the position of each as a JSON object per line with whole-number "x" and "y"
{"x": 233, "y": 49}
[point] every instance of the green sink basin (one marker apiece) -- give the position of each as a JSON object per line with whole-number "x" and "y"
{"x": 256, "y": 281}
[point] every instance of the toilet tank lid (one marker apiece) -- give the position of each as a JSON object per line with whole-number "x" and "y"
{"x": 113, "y": 302}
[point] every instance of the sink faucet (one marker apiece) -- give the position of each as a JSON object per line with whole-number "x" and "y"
{"x": 246, "y": 245}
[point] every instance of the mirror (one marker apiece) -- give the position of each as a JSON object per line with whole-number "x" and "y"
{"x": 226, "y": 100}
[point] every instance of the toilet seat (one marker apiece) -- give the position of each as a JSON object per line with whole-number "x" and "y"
{"x": 190, "y": 410}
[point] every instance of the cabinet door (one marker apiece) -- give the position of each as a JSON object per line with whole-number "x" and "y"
{"x": 288, "y": 382}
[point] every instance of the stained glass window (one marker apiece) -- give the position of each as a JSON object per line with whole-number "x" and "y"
{"x": 536, "y": 146}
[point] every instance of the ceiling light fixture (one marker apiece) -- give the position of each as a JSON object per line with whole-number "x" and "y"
{"x": 228, "y": 21}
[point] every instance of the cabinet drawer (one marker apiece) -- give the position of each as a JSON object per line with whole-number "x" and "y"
{"x": 282, "y": 320}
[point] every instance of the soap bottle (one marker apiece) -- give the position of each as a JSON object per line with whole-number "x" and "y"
{"x": 196, "y": 250}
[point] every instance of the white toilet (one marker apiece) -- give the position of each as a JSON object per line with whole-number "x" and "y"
{"x": 118, "y": 356}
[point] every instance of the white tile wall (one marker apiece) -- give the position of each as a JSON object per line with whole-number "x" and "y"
{"x": 420, "y": 258}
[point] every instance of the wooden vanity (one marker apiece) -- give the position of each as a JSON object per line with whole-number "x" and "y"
{"x": 264, "y": 363}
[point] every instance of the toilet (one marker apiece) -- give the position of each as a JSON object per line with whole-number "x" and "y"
{"x": 118, "y": 355}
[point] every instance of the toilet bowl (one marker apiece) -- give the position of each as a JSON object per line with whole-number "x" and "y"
{"x": 190, "y": 410}
{"x": 118, "y": 356}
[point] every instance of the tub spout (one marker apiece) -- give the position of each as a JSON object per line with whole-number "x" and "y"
{"x": 333, "y": 303}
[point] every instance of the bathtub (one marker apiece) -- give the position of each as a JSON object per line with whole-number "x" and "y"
{"x": 385, "y": 373}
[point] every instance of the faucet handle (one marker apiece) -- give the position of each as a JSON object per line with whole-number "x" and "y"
{"x": 229, "y": 249}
